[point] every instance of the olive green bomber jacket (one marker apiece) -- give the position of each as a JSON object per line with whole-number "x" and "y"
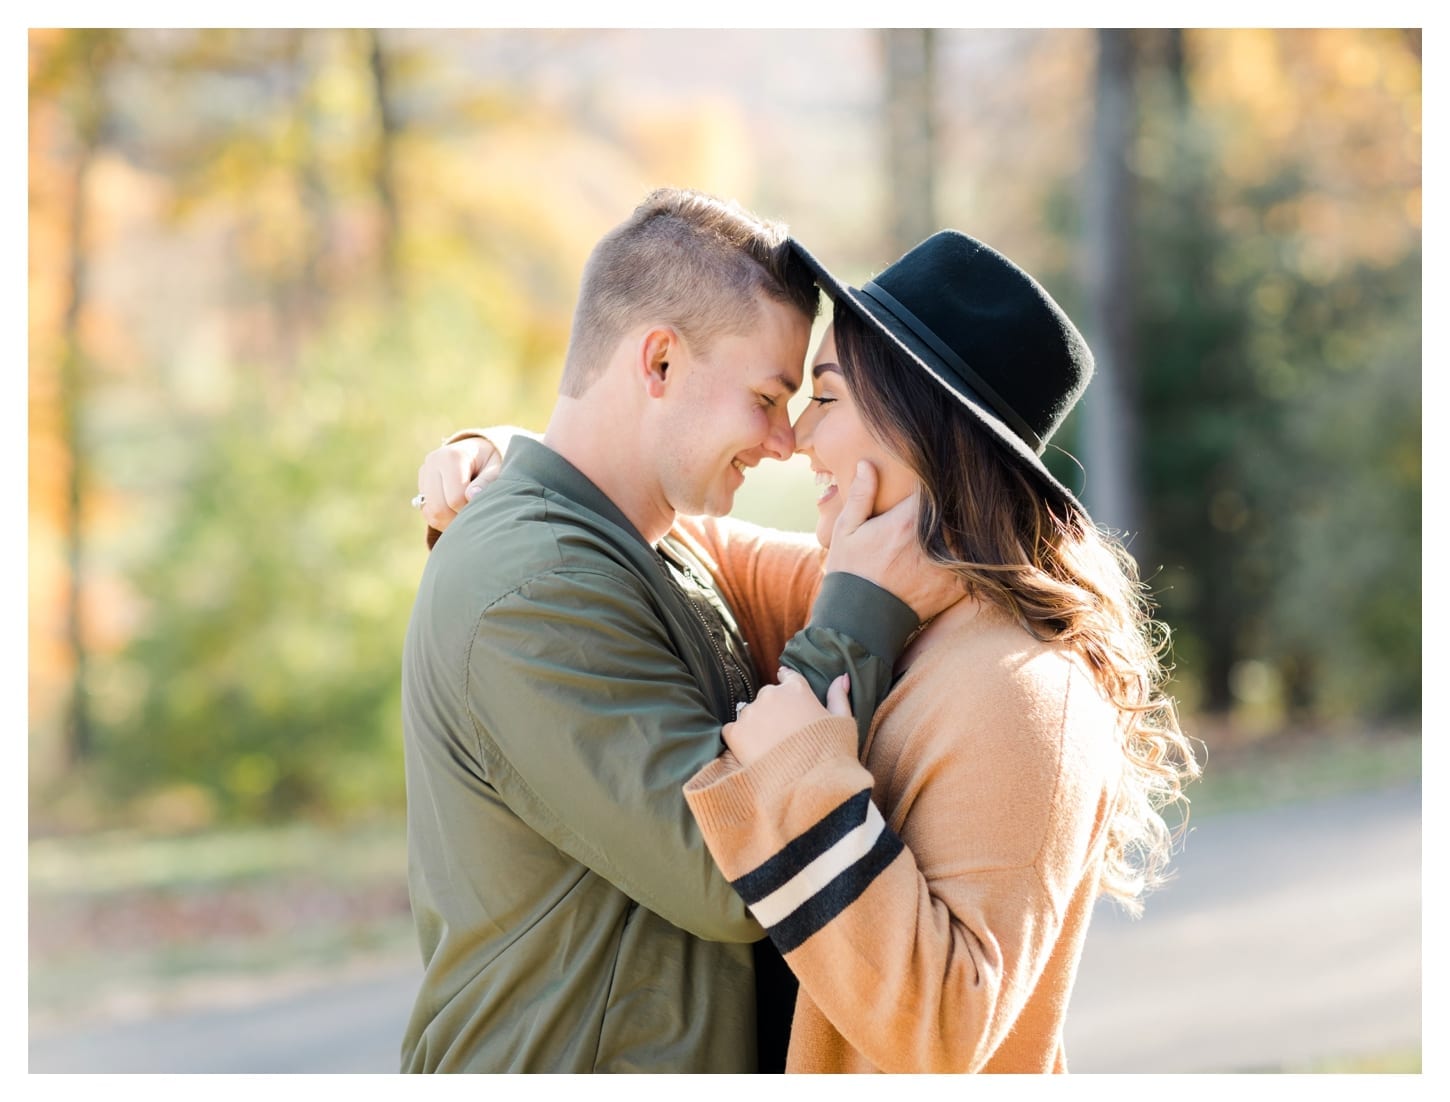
{"x": 562, "y": 680}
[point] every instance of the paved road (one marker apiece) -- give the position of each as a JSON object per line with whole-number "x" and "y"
{"x": 1291, "y": 936}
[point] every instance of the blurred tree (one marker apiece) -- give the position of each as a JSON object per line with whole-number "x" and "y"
{"x": 1278, "y": 314}
{"x": 75, "y": 69}
{"x": 911, "y": 135}
{"x": 386, "y": 172}
{"x": 1204, "y": 433}
{"x": 268, "y": 666}
{"x": 1109, "y": 424}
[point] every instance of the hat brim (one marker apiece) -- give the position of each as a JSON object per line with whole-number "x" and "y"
{"x": 915, "y": 350}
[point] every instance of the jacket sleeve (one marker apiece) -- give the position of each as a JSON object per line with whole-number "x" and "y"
{"x": 945, "y": 931}
{"x": 857, "y": 628}
{"x": 820, "y": 625}
{"x": 588, "y": 725}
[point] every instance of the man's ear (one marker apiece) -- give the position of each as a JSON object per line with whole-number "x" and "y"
{"x": 657, "y": 350}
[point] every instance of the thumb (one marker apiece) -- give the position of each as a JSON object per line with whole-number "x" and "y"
{"x": 857, "y": 509}
{"x": 838, "y": 696}
{"x": 490, "y": 471}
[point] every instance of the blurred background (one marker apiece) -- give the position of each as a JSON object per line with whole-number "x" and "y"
{"x": 268, "y": 270}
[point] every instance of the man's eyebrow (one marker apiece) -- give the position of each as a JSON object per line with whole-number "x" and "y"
{"x": 789, "y": 385}
{"x": 825, "y": 366}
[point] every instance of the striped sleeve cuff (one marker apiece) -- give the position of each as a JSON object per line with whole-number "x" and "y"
{"x": 795, "y": 831}
{"x": 817, "y": 875}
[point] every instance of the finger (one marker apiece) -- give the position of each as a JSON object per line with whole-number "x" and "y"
{"x": 454, "y": 473}
{"x": 490, "y": 471}
{"x": 728, "y": 737}
{"x": 859, "y": 500}
{"x": 785, "y": 673}
{"x": 435, "y": 508}
{"x": 838, "y": 696}
{"x": 484, "y": 454}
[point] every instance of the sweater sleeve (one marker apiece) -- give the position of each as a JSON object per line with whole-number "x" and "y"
{"x": 791, "y": 614}
{"x": 919, "y": 948}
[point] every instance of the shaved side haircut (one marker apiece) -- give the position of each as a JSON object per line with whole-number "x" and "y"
{"x": 687, "y": 260}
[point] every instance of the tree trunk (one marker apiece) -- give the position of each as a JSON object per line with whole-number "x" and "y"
{"x": 1175, "y": 65}
{"x": 385, "y": 180}
{"x": 89, "y": 119}
{"x": 304, "y": 305}
{"x": 911, "y": 135}
{"x": 1110, "y": 406}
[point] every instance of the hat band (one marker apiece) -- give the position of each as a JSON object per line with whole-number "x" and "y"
{"x": 914, "y": 325}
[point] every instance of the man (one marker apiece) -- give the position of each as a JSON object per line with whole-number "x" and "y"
{"x": 569, "y": 665}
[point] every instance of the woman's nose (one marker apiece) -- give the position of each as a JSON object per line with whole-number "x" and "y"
{"x": 802, "y": 431}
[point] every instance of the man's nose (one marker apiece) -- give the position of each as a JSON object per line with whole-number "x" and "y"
{"x": 781, "y": 441}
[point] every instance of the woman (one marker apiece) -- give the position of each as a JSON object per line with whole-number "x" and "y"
{"x": 931, "y": 889}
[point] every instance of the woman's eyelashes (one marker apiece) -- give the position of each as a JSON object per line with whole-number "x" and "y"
{"x": 822, "y": 400}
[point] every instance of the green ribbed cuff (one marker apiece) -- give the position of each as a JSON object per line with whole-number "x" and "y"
{"x": 861, "y": 610}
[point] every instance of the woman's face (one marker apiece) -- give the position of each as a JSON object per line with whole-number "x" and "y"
{"x": 832, "y": 432}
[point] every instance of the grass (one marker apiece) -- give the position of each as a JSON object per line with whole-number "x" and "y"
{"x": 1400, "y": 1062}
{"x": 123, "y": 922}
{"x": 121, "y": 861}
{"x": 1293, "y": 768}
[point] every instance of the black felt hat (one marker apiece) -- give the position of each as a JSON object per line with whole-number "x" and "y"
{"x": 984, "y": 329}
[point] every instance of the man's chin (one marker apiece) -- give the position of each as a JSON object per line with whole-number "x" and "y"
{"x": 721, "y": 502}
{"x": 715, "y": 505}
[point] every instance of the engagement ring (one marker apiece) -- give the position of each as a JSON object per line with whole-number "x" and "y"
{"x": 417, "y": 502}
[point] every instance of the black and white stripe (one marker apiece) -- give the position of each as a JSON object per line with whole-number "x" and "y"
{"x": 819, "y": 874}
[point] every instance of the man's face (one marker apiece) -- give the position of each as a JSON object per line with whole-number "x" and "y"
{"x": 728, "y": 409}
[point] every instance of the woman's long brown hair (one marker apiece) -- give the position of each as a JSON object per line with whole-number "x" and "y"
{"x": 1018, "y": 543}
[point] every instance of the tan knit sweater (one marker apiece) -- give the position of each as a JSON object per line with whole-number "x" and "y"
{"x": 934, "y": 900}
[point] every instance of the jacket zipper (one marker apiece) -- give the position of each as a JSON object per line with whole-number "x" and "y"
{"x": 735, "y": 703}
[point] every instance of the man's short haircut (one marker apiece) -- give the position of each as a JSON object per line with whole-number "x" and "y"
{"x": 687, "y": 260}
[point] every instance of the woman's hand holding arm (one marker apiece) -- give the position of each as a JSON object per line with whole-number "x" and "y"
{"x": 778, "y": 711}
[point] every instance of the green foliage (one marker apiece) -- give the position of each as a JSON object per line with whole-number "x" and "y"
{"x": 1207, "y": 435}
{"x": 1281, "y": 429}
{"x": 280, "y": 593}
{"x": 1347, "y": 600}
{"x": 1279, "y": 404}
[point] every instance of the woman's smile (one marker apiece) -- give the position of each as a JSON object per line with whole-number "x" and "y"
{"x": 826, "y": 484}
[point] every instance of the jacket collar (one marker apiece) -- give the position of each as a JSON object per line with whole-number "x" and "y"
{"x": 530, "y": 459}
